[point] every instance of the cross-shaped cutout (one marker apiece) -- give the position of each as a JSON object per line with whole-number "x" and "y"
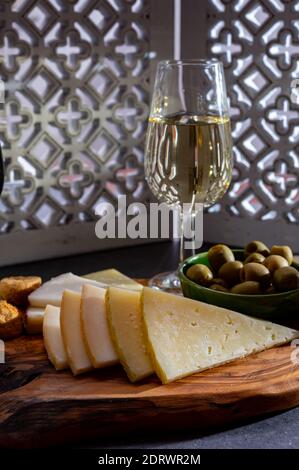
{"x": 227, "y": 47}
{"x": 73, "y": 50}
{"x": 10, "y": 52}
{"x": 75, "y": 178}
{"x": 13, "y": 120}
{"x": 72, "y": 116}
{"x": 285, "y": 48}
{"x": 128, "y": 112}
{"x": 130, "y": 173}
{"x": 129, "y": 48}
{"x": 282, "y": 116}
{"x": 16, "y": 185}
{"x": 281, "y": 178}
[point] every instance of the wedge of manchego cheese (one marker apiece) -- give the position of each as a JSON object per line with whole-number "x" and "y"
{"x": 95, "y": 327}
{"x": 72, "y": 335}
{"x": 185, "y": 336}
{"x": 112, "y": 277}
{"x": 50, "y": 292}
{"x": 52, "y": 338}
{"x": 125, "y": 321}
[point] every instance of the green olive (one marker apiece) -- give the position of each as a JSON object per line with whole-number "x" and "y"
{"x": 256, "y": 272}
{"x": 220, "y": 282}
{"x": 200, "y": 274}
{"x": 230, "y": 272}
{"x": 218, "y": 255}
{"x": 286, "y": 278}
{"x": 256, "y": 247}
{"x": 218, "y": 288}
{"x": 284, "y": 251}
{"x": 248, "y": 287}
{"x": 274, "y": 262}
{"x": 255, "y": 258}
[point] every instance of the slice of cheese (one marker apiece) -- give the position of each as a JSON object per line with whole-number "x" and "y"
{"x": 124, "y": 316}
{"x": 51, "y": 292}
{"x": 95, "y": 327}
{"x": 34, "y": 320}
{"x": 53, "y": 339}
{"x": 186, "y": 336}
{"x": 112, "y": 277}
{"x": 72, "y": 335}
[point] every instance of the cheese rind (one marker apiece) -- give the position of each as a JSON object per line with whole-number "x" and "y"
{"x": 70, "y": 324}
{"x": 95, "y": 327}
{"x": 52, "y": 338}
{"x": 186, "y": 336}
{"x": 112, "y": 277}
{"x": 34, "y": 320}
{"x": 124, "y": 317}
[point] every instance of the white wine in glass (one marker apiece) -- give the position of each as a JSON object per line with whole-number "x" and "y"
{"x": 188, "y": 155}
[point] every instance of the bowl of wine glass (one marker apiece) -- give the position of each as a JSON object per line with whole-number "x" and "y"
{"x": 273, "y": 306}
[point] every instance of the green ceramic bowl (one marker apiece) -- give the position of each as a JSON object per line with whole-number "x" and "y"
{"x": 269, "y": 307}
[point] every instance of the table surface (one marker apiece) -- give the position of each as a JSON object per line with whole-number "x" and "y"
{"x": 279, "y": 431}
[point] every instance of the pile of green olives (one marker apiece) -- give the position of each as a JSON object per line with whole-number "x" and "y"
{"x": 263, "y": 271}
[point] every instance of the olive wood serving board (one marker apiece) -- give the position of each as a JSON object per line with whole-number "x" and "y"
{"x": 41, "y": 407}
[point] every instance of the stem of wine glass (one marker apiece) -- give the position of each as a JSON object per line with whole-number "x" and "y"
{"x": 169, "y": 281}
{"x": 182, "y": 240}
{"x": 186, "y": 217}
{"x": 191, "y": 218}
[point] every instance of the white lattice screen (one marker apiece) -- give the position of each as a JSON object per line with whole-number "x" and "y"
{"x": 259, "y": 46}
{"x": 77, "y": 77}
{"x": 77, "y": 80}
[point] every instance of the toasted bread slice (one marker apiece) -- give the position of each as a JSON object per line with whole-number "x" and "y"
{"x": 15, "y": 289}
{"x": 11, "y": 324}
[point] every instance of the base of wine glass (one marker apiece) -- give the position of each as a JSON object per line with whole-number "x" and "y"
{"x": 168, "y": 282}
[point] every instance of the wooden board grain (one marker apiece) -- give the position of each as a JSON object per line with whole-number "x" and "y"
{"x": 41, "y": 407}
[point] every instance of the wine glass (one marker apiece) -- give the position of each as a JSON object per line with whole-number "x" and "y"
{"x": 188, "y": 152}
